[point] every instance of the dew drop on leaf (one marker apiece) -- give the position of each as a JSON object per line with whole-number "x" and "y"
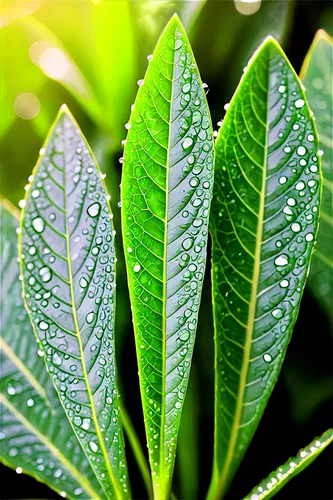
{"x": 38, "y": 224}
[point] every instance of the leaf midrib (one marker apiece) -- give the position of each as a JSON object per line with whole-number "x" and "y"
{"x": 162, "y": 434}
{"x": 78, "y": 333}
{"x": 252, "y": 310}
{"x": 23, "y": 369}
{"x": 55, "y": 451}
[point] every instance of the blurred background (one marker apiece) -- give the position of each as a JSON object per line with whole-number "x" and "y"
{"x": 90, "y": 54}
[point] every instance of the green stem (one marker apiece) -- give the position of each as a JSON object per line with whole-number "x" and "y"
{"x": 137, "y": 450}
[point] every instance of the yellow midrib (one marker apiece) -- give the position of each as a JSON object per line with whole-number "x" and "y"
{"x": 55, "y": 451}
{"x": 23, "y": 369}
{"x": 251, "y": 317}
{"x": 85, "y": 374}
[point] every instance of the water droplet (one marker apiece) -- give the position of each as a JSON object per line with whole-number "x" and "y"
{"x": 282, "y": 260}
{"x": 267, "y": 357}
{"x": 295, "y": 227}
{"x": 11, "y": 390}
{"x": 22, "y": 203}
{"x": 94, "y": 209}
{"x": 187, "y": 143}
{"x": 43, "y": 325}
{"x": 38, "y": 224}
{"x": 19, "y": 470}
{"x": 287, "y": 149}
{"x": 56, "y": 359}
{"x": 83, "y": 283}
{"x": 35, "y": 193}
{"x": 136, "y": 268}
{"x": 301, "y": 150}
{"x": 277, "y": 313}
{"x": 32, "y": 250}
{"x": 284, "y": 283}
{"x": 178, "y": 44}
{"x": 187, "y": 243}
{"x": 299, "y": 103}
{"x": 283, "y": 180}
{"x": 300, "y": 185}
{"x": 309, "y": 237}
{"x": 30, "y": 403}
{"x": 184, "y": 335}
{"x": 291, "y": 202}
{"x": 282, "y": 89}
{"x": 90, "y": 317}
{"x": 127, "y": 126}
{"x": 129, "y": 249}
{"x": 310, "y": 137}
{"x": 320, "y": 152}
{"x": 93, "y": 446}
{"x": 45, "y": 273}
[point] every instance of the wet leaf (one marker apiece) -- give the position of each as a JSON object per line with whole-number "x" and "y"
{"x": 317, "y": 77}
{"x": 264, "y": 223}
{"x": 68, "y": 285}
{"x": 35, "y": 436}
{"x": 279, "y": 478}
{"x": 166, "y": 193}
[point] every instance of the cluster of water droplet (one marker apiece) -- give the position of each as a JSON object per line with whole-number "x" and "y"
{"x": 68, "y": 267}
{"x": 169, "y": 148}
{"x": 283, "y": 472}
{"x": 267, "y": 188}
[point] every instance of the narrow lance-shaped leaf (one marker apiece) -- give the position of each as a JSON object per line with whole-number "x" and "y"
{"x": 279, "y": 478}
{"x": 264, "y": 223}
{"x": 36, "y": 437}
{"x": 317, "y": 74}
{"x": 67, "y": 264}
{"x": 166, "y": 193}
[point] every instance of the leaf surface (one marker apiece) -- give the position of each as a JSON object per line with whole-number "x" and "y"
{"x": 279, "y": 478}
{"x": 68, "y": 273}
{"x": 263, "y": 225}
{"x": 166, "y": 193}
{"x": 316, "y": 75}
{"x": 35, "y": 435}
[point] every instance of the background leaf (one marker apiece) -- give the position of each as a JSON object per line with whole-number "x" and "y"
{"x": 68, "y": 273}
{"x": 166, "y": 192}
{"x": 316, "y": 74}
{"x": 264, "y": 223}
{"x": 277, "y": 480}
{"x": 35, "y": 435}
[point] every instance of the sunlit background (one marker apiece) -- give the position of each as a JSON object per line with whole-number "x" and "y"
{"x": 90, "y": 55}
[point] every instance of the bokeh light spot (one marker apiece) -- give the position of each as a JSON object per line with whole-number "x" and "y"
{"x": 27, "y": 106}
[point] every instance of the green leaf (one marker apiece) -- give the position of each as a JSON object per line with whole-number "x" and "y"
{"x": 68, "y": 286}
{"x": 35, "y": 435}
{"x": 279, "y": 478}
{"x": 166, "y": 193}
{"x": 264, "y": 223}
{"x": 316, "y": 74}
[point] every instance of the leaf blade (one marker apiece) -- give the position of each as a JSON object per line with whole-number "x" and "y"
{"x": 67, "y": 217}
{"x": 266, "y": 140}
{"x": 33, "y": 423}
{"x": 277, "y": 479}
{"x": 161, "y": 245}
{"x": 316, "y": 75}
